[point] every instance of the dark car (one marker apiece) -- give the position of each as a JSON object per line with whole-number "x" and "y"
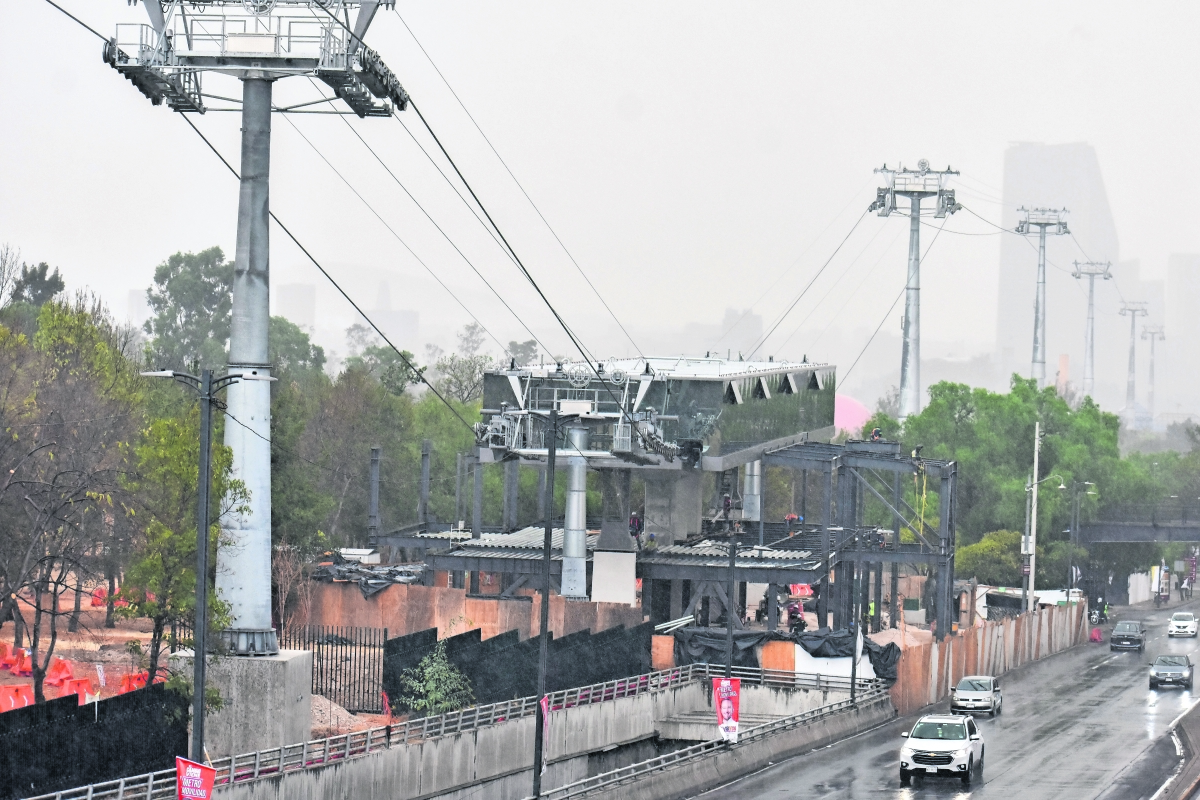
{"x": 1128, "y": 636}
{"x": 1173, "y": 670}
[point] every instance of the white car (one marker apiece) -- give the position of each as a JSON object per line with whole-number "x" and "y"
{"x": 942, "y": 744}
{"x": 976, "y": 693}
{"x": 1183, "y": 623}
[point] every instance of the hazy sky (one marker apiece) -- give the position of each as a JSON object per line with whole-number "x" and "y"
{"x": 687, "y": 154}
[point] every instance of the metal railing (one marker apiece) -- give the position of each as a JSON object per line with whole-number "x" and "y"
{"x": 335, "y": 749}
{"x": 636, "y": 771}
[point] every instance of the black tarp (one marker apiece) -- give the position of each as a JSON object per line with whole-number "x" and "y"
{"x": 826, "y": 643}
{"x": 707, "y": 645}
{"x": 61, "y": 744}
{"x": 503, "y": 668}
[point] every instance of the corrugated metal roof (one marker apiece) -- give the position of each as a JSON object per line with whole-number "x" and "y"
{"x": 718, "y": 556}
{"x": 502, "y": 553}
{"x": 530, "y": 538}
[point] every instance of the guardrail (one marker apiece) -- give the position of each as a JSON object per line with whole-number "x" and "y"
{"x": 636, "y": 771}
{"x": 321, "y": 752}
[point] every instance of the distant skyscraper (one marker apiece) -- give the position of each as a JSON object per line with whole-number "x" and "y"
{"x": 298, "y": 303}
{"x": 401, "y": 326}
{"x": 139, "y": 309}
{"x": 1060, "y": 176}
{"x": 1178, "y": 372}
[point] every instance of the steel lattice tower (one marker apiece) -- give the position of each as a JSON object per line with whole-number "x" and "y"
{"x": 1091, "y": 270}
{"x": 1133, "y": 310}
{"x": 1046, "y": 220}
{"x": 1153, "y": 333}
{"x": 258, "y": 42}
{"x": 915, "y": 185}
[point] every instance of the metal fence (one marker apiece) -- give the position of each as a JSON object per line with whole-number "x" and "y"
{"x": 334, "y": 749}
{"x": 347, "y": 663}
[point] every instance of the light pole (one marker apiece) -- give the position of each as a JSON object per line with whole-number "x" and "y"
{"x": 206, "y": 387}
{"x": 1078, "y": 490}
{"x": 1032, "y": 487}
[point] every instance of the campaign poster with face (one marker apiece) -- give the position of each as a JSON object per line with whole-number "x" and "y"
{"x": 726, "y": 692}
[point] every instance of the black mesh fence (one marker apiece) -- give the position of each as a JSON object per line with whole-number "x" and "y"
{"x": 503, "y": 667}
{"x": 61, "y": 744}
{"x": 347, "y": 663}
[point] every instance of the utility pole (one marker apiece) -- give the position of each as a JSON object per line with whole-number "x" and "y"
{"x": 1153, "y": 333}
{"x": 1031, "y": 598}
{"x": 1091, "y": 270}
{"x": 373, "y": 499}
{"x": 257, "y": 43}
{"x": 915, "y": 185}
{"x": 539, "y": 730}
{"x": 1045, "y": 220}
{"x": 1133, "y": 310}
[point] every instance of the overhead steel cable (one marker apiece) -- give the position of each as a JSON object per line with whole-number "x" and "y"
{"x": 419, "y": 373}
{"x": 429, "y": 217}
{"x": 792, "y": 266}
{"x": 397, "y": 236}
{"x": 891, "y": 307}
{"x": 77, "y": 19}
{"x": 507, "y": 169}
{"x": 763, "y": 339}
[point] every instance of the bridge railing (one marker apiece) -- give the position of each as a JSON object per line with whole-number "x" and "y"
{"x": 331, "y": 750}
{"x": 1154, "y": 513}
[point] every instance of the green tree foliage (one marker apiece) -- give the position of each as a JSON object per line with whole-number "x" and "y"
{"x": 435, "y": 686}
{"x": 38, "y": 285}
{"x": 192, "y": 302}
{"x": 995, "y": 560}
{"x": 394, "y": 371}
{"x": 290, "y": 349}
{"x": 160, "y": 583}
{"x": 523, "y": 353}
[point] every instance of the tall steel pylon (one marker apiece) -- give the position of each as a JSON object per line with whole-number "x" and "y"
{"x": 1133, "y": 310}
{"x": 257, "y": 42}
{"x": 1046, "y": 220}
{"x": 915, "y": 184}
{"x": 1153, "y": 333}
{"x": 1091, "y": 270}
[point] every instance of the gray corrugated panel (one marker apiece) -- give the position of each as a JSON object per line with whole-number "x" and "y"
{"x": 525, "y": 539}
{"x": 719, "y": 550}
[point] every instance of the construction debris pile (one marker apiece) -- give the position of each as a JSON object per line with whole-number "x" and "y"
{"x": 371, "y": 578}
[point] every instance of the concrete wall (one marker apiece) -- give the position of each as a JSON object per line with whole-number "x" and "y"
{"x": 404, "y": 609}
{"x": 927, "y": 672}
{"x": 267, "y": 700}
{"x": 495, "y": 762}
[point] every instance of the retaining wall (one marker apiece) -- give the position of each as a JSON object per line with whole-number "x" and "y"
{"x": 927, "y": 672}
{"x": 404, "y": 609}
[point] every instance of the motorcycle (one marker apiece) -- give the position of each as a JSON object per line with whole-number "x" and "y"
{"x": 1094, "y": 616}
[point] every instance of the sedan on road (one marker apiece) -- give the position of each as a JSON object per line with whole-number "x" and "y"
{"x": 942, "y": 744}
{"x": 976, "y": 693}
{"x": 1174, "y": 670}
{"x": 1128, "y": 635}
{"x": 1183, "y": 623}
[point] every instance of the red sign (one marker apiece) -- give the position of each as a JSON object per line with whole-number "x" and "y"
{"x": 726, "y": 695}
{"x": 193, "y": 781}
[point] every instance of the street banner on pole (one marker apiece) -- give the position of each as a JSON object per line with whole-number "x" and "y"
{"x": 193, "y": 781}
{"x": 545, "y": 727}
{"x": 726, "y": 693}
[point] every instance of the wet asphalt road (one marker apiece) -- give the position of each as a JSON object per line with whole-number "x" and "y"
{"x": 1072, "y": 726}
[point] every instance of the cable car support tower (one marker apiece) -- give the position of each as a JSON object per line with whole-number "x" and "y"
{"x": 258, "y": 42}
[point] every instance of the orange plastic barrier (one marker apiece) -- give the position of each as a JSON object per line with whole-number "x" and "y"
{"x": 6, "y": 656}
{"x": 23, "y": 666}
{"x": 77, "y": 686}
{"x": 59, "y": 673}
{"x": 17, "y": 696}
{"x": 133, "y": 682}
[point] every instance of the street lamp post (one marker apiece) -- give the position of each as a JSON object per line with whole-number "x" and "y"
{"x": 206, "y": 387}
{"x": 1078, "y": 490}
{"x": 1032, "y": 487}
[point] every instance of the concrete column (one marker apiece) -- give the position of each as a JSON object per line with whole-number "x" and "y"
{"x": 773, "y": 607}
{"x": 472, "y": 583}
{"x": 373, "y": 501}
{"x": 512, "y": 478}
{"x": 541, "y": 494}
{"x": 574, "y": 568}
{"x": 823, "y": 604}
{"x": 752, "y": 491}
{"x": 676, "y": 599}
{"x": 244, "y": 561}
{"x": 878, "y": 615}
{"x": 423, "y": 497}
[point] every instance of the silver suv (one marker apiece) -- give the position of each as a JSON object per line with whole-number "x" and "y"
{"x": 942, "y": 744}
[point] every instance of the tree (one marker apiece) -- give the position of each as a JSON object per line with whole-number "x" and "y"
{"x": 470, "y": 338}
{"x": 435, "y": 686}
{"x": 10, "y": 260}
{"x": 35, "y": 286}
{"x": 192, "y": 301}
{"x": 995, "y": 560}
{"x": 523, "y": 352}
{"x": 160, "y": 583}
{"x": 291, "y": 350}
{"x": 461, "y": 377}
{"x": 394, "y": 371}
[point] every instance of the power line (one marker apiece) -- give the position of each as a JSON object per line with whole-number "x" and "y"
{"x": 77, "y": 19}
{"x": 854, "y": 293}
{"x": 795, "y": 261}
{"x": 891, "y": 308}
{"x": 507, "y": 169}
{"x": 392, "y": 231}
{"x": 336, "y": 285}
{"x": 762, "y": 340}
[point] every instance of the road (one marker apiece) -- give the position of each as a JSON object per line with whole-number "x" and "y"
{"x": 1073, "y": 726}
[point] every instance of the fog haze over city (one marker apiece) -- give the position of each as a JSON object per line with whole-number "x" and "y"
{"x": 701, "y": 162}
